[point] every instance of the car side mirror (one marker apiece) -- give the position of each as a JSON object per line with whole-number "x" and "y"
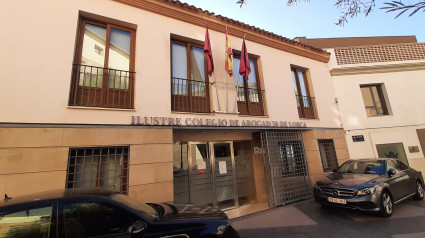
{"x": 391, "y": 172}
{"x": 137, "y": 228}
{"x": 334, "y": 170}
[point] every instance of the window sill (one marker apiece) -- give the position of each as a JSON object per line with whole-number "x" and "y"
{"x": 310, "y": 119}
{"x": 378, "y": 116}
{"x": 264, "y": 116}
{"x": 195, "y": 113}
{"x": 102, "y": 108}
{"x": 228, "y": 113}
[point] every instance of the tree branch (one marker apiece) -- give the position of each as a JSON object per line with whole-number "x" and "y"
{"x": 395, "y": 6}
{"x": 351, "y": 8}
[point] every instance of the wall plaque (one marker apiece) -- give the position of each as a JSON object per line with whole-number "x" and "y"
{"x": 413, "y": 149}
{"x": 358, "y": 138}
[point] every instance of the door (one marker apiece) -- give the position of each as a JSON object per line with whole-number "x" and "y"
{"x": 399, "y": 182}
{"x": 286, "y": 169}
{"x": 224, "y": 176}
{"x": 201, "y": 187}
{"x": 212, "y": 177}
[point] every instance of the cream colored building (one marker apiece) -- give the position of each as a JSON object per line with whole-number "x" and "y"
{"x": 379, "y": 83}
{"x": 116, "y": 94}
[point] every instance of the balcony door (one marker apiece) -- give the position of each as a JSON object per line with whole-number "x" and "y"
{"x": 249, "y": 93}
{"x": 102, "y": 70}
{"x": 189, "y": 81}
{"x": 306, "y": 104}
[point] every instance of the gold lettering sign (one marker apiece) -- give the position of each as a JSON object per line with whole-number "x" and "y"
{"x": 202, "y": 122}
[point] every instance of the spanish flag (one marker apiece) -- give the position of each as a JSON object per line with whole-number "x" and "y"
{"x": 228, "y": 57}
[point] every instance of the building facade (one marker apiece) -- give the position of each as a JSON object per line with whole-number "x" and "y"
{"x": 116, "y": 94}
{"x": 378, "y": 83}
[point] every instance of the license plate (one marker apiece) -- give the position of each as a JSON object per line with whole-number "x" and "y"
{"x": 337, "y": 200}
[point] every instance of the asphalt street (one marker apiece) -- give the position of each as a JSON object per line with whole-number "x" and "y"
{"x": 309, "y": 219}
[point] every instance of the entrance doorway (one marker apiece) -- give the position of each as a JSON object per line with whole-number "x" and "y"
{"x": 286, "y": 168}
{"x": 213, "y": 173}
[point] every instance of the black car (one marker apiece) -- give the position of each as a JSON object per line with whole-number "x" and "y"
{"x": 370, "y": 185}
{"x": 103, "y": 213}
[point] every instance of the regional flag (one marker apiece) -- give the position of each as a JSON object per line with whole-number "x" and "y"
{"x": 208, "y": 52}
{"x": 228, "y": 57}
{"x": 244, "y": 67}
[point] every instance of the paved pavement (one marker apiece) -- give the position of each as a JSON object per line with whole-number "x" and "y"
{"x": 309, "y": 219}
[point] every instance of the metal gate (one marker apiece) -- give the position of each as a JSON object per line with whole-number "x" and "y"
{"x": 285, "y": 165}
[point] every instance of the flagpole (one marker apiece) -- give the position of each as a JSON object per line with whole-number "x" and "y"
{"x": 213, "y": 73}
{"x": 227, "y": 94}
{"x": 237, "y": 92}
{"x": 216, "y": 92}
{"x": 236, "y": 101}
{"x": 215, "y": 83}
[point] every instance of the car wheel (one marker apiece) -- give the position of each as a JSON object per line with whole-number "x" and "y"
{"x": 386, "y": 205}
{"x": 419, "y": 191}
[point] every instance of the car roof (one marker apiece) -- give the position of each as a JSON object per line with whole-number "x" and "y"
{"x": 372, "y": 159}
{"x": 56, "y": 194}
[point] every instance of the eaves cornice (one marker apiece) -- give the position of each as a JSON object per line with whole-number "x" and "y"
{"x": 196, "y": 16}
{"x": 376, "y": 69}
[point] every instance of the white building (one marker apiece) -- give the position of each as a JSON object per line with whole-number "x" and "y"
{"x": 116, "y": 94}
{"x": 379, "y": 84}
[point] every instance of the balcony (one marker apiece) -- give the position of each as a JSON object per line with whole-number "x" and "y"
{"x": 101, "y": 87}
{"x": 190, "y": 95}
{"x": 306, "y": 107}
{"x": 250, "y": 101}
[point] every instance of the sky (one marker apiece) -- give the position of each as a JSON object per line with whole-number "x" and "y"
{"x": 315, "y": 19}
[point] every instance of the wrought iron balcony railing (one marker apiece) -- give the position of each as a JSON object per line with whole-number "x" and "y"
{"x": 306, "y": 107}
{"x": 93, "y": 86}
{"x": 373, "y": 111}
{"x": 250, "y": 101}
{"x": 190, "y": 95}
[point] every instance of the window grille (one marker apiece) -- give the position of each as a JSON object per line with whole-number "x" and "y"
{"x": 286, "y": 168}
{"x": 328, "y": 155}
{"x": 103, "y": 167}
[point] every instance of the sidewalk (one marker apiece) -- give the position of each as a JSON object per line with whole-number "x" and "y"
{"x": 309, "y": 219}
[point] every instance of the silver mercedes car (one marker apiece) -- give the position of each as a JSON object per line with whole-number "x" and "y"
{"x": 370, "y": 185}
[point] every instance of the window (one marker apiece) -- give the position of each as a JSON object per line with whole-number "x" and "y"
{"x": 249, "y": 93}
{"x": 392, "y": 165}
{"x": 306, "y": 104}
{"x": 373, "y": 99}
{"x": 363, "y": 167}
{"x": 328, "y": 155}
{"x": 27, "y": 223}
{"x": 402, "y": 165}
{"x": 92, "y": 219}
{"x": 189, "y": 79}
{"x": 98, "y": 167}
{"x": 103, "y": 67}
{"x": 392, "y": 150}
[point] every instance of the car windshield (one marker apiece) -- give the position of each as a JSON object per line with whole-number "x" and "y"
{"x": 143, "y": 208}
{"x": 363, "y": 167}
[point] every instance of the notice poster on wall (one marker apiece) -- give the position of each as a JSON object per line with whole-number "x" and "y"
{"x": 222, "y": 167}
{"x": 201, "y": 165}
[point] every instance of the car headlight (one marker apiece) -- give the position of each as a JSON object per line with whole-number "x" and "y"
{"x": 317, "y": 187}
{"x": 366, "y": 191}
